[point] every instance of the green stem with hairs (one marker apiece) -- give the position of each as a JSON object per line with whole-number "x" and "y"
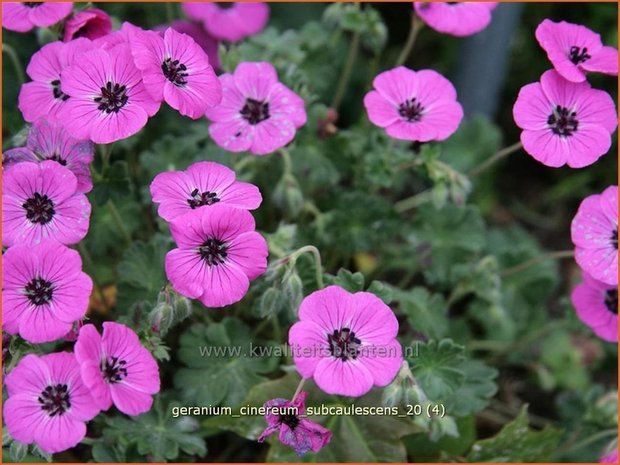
{"x": 536, "y": 260}
{"x": 500, "y": 155}
{"x": 345, "y": 76}
{"x": 416, "y": 27}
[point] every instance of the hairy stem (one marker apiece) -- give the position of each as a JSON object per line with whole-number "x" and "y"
{"x": 345, "y": 76}
{"x": 500, "y": 155}
{"x": 300, "y": 386}
{"x": 416, "y": 26}
{"x": 317, "y": 261}
{"x": 536, "y": 260}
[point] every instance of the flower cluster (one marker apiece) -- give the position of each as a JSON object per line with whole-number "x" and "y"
{"x": 219, "y": 252}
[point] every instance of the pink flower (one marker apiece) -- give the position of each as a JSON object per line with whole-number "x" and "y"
{"x": 294, "y": 429}
{"x": 574, "y": 50}
{"x": 116, "y": 368}
{"x": 457, "y": 19}
{"x": 564, "y": 122}
{"x": 203, "y": 184}
{"x": 346, "y": 342}
{"x": 612, "y": 457}
{"x": 418, "y": 106}
{"x": 596, "y": 304}
{"x": 39, "y": 201}
{"x": 117, "y": 37}
{"x": 24, "y": 16}
{"x": 44, "y": 290}
{"x": 594, "y": 232}
{"x": 218, "y": 254}
{"x": 49, "y": 141}
{"x": 91, "y": 23}
{"x": 257, "y": 113}
{"x": 232, "y": 22}
{"x": 108, "y": 101}
{"x": 176, "y": 69}
{"x": 44, "y": 97}
{"x": 48, "y": 404}
{"x": 209, "y": 44}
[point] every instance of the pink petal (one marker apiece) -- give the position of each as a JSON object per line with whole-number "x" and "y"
{"x": 346, "y": 378}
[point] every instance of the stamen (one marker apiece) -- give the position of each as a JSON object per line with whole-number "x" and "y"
{"x": 255, "y": 111}
{"x": 39, "y": 209}
{"x": 343, "y": 344}
{"x": 563, "y": 121}
{"x": 175, "y": 72}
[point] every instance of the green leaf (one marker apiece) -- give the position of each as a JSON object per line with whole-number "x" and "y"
{"x": 223, "y": 363}
{"x": 516, "y": 442}
{"x": 474, "y": 394}
{"x": 381, "y": 290}
{"x": 426, "y": 312}
{"x": 352, "y": 282}
{"x": 425, "y": 450}
{"x": 438, "y": 368}
{"x": 114, "y": 183}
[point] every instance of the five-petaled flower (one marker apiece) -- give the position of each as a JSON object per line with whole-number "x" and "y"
{"x": 414, "y": 105}
{"x": 563, "y": 122}
{"x": 574, "y": 50}
{"x": 91, "y": 23}
{"x": 257, "y": 113}
{"x": 287, "y": 418}
{"x": 40, "y": 201}
{"x": 231, "y": 22}
{"x": 116, "y": 368}
{"x": 176, "y": 69}
{"x": 218, "y": 254}
{"x": 25, "y": 16}
{"x": 203, "y": 184}
{"x": 456, "y": 18}
{"x": 594, "y": 231}
{"x": 48, "y": 404}
{"x": 596, "y": 304}
{"x": 50, "y": 141}
{"x": 346, "y": 342}
{"x": 44, "y": 291}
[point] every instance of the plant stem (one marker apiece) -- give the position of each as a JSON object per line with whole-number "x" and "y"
{"x": 118, "y": 220}
{"x": 536, "y": 260}
{"x": 300, "y": 386}
{"x": 592, "y": 439}
{"x": 17, "y": 64}
{"x": 501, "y": 154}
{"x": 317, "y": 261}
{"x": 345, "y": 76}
{"x": 286, "y": 158}
{"x": 416, "y": 26}
{"x": 106, "y": 153}
{"x": 245, "y": 161}
{"x": 412, "y": 202}
{"x": 91, "y": 264}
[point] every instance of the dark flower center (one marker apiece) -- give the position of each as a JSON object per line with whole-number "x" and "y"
{"x": 213, "y": 251}
{"x": 56, "y": 158}
{"x": 343, "y": 344}
{"x": 175, "y": 72}
{"x": 113, "y": 98}
{"x": 225, "y": 5}
{"x": 55, "y": 399}
{"x": 411, "y": 110}
{"x": 114, "y": 370}
{"x": 39, "y": 291}
{"x": 579, "y": 55}
{"x": 39, "y": 209}
{"x": 32, "y": 4}
{"x": 255, "y": 111}
{"x": 562, "y": 121}
{"x": 611, "y": 300}
{"x": 58, "y": 94}
{"x": 290, "y": 420}
{"x": 199, "y": 199}
{"x": 614, "y": 238}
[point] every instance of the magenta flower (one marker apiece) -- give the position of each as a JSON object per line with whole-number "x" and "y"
{"x": 24, "y": 16}
{"x": 49, "y": 141}
{"x": 108, "y": 100}
{"x": 458, "y": 19}
{"x": 231, "y": 22}
{"x": 40, "y": 201}
{"x": 596, "y": 304}
{"x": 418, "y": 106}
{"x": 91, "y": 23}
{"x": 203, "y": 184}
{"x": 574, "y": 50}
{"x": 612, "y": 457}
{"x": 209, "y": 44}
{"x": 257, "y": 113}
{"x": 176, "y": 69}
{"x": 218, "y": 254}
{"x": 48, "y": 404}
{"x": 44, "y": 97}
{"x": 594, "y": 232}
{"x": 346, "y": 342}
{"x": 44, "y": 291}
{"x": 296, "y": 431}
{"x": 115, "y": 38}
{"x": 116, "y": 368}
{"x": 564, "y": 122}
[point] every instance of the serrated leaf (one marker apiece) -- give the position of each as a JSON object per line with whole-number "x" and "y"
{"x": 516, "y": 442}
{"x": 352, "y": 282}
{"x": 474, "y": 394}
{"x": 426, "y": 312}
